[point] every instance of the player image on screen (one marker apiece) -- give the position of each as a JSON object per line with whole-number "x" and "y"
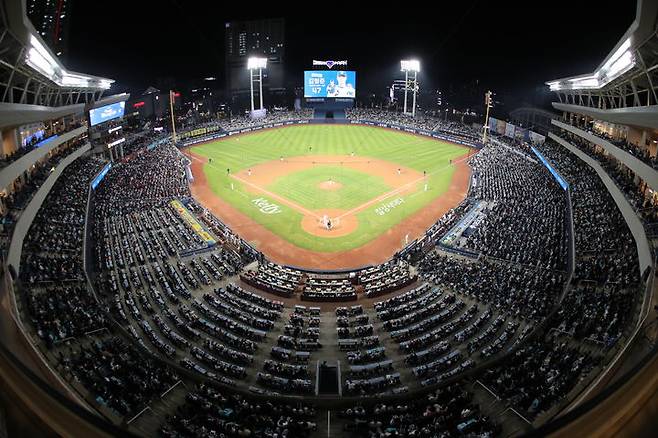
{"x": 343, "y": 89}
{"x": 332, "y": 84}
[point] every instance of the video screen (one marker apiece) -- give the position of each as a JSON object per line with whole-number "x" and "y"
{"x": 107, "y": 112}
{"x": 329, "y": 83}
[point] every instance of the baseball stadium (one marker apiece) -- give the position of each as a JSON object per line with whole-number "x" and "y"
{"x": 222, "y": 223}
{"x": 329, "y": 196}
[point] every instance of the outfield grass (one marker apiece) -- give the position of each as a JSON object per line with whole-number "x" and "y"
{"x": 242, "y": 152}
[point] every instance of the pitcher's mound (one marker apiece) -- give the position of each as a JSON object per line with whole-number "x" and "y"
{"x": 330, "y": 185}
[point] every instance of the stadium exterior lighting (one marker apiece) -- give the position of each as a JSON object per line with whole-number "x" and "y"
{"x": 410, "y": 66}
{"x": 259, "y": 64}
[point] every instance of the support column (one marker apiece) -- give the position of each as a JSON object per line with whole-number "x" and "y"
{"x": 260, "y": 84}
{"x": 251, "y": 85}
{"x": 413, "y": 105}
{"x": 406, "y": 85}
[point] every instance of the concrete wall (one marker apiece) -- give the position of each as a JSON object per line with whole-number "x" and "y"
{"x": 16, "y": 169}
{"x": 633, "y": 221}
{"x": 9, "y": 141}
{"x": 30, "y": 212}
{"x": 648, "y": 174}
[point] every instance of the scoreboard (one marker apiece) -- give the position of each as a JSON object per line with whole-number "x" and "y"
{"x": 330, "y": 83}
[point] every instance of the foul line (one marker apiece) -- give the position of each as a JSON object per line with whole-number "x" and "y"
{"x": 291, "y": 204}
{"x": 355, "y": 210}
{"x": 279, "y": 198}
{"x": 398, "y": 190}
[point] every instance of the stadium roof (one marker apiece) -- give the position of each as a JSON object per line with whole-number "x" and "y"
{"x": 621, "y": 58}
{"x": 40, "y": 57}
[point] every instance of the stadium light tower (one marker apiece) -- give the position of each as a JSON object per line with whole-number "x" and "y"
{"x": 488, "y": 102}
{"x": 410, "y": 66}
{"x": 256, "y": 64}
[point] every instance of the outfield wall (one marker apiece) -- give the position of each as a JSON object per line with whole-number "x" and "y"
{"x": 416, "y": 131}
{"x": 436, "y": 135}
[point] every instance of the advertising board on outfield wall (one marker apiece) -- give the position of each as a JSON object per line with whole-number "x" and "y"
{"x": 432, "y": 134}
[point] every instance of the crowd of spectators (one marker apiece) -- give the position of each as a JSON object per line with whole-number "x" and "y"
{"x": 209, "y": 412}
{"x": 421, "y": 121}
{"x": 624, "y": 177}
{"x": 449, "y": 411}
{"x": 244, "y": 122}
{"x": 641, "y": 153}
{"x": 24, "y": 188}
{"x": 34, "y": 140}
{"x": 58, "y": 301}
{"x": 596, "y": 309}
{"x": 605, "y": 248}
{"x": 522, "y": 292}
{"x": 525, "y": 217}
{"x": 141, "y": 139}
{"x": 479, "y": 302}
{"x": 119, "y": 376}
{"x": 149, "y": 177}
{"x": 540, "y": 374}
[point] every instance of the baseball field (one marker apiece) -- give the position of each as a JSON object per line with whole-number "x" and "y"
{"x": 328, "y": 189}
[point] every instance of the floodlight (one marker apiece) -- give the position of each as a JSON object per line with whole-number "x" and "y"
{"x": 618, "y": 54}
{"x": 256, "y": 63}
{"x": 39, "y": 63}
{"x": 625, "y": 62}
{"x": 410, "y": 65}
{"x": 70, "y": 80}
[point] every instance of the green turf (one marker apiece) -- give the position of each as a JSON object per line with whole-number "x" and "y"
{"x": 303, "y": 187}
{"x": 242, "y": 152}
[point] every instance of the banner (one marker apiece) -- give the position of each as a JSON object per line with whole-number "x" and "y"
{"x": 509, "y": 130}
{"x": 493, "y": 124}
{"x": 97, "y": 180}
{"x": 190, "y": 220}
{"x": 536, "y": 138}
{"x": 556, "y": 175}
{"x": 500, "y": 127}
{"x": 520, "y": 133}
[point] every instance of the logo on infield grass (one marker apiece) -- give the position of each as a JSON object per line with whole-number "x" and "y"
{"x": 265, "y": 206}
{"x": 385, "y": 208}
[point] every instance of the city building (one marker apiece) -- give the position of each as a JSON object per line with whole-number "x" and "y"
{"x": 260, "y": 38}
{"x": 51, "y": 20}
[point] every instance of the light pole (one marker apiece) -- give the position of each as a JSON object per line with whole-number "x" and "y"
{"x": 488, "y": 102}
{"x": 410, "y": 66}
{"x": 256, "y": 64}
{"x": 172, "y": 96}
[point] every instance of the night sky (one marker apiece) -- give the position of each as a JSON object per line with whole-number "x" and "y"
{"x": 509, "y": 48}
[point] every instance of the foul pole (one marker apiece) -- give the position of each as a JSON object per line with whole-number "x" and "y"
{"x": 487, "y": 102}
{"x": 173, "y": 120}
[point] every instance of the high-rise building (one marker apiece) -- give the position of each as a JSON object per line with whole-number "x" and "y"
{"x": 262, "y": 38}
{"x": 51, "y": 19}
